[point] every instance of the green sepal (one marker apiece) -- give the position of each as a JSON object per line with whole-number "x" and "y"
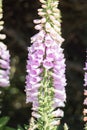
{"x": 85, "y": 128}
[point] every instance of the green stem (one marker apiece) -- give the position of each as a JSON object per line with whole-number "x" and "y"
{"x": 49, "y": 1}
{"x": 45, "y": 103}
{"x": 0, "y": 3}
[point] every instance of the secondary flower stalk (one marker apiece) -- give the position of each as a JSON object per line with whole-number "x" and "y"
{"x": 4, "y": 65}
{"x": 85, "y": 97}
{"x": 4, "y": 55}
{"x": 4, "y": 59}
{"x": 45, "y": 78}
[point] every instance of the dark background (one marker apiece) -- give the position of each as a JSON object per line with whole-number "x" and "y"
{"x": 19, "y": 27}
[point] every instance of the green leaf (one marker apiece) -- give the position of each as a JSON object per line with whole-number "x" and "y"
{"x": 3, "y": 121}
{"x": 9, "y": 128}
{"x": 19, "y": 128}
{"x": 26, "y": 127}
{"x": 60, "y": 127}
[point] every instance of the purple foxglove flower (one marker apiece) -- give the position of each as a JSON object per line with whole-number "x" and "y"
{"x": 85, "y": 79}
{"x": 58, "y": 113}
{"x": 36, "y": 115}
{"x": 85, "y": 76}
{"x": 4, "y": 65}
{"x": 38, "y": 37}
{"x": 47, "y": 64}
{"x": 85, "y": 101}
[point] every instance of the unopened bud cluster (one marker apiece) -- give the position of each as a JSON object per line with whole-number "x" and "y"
{"x": 2, "y": 36}
{"x": 50, "y": 20}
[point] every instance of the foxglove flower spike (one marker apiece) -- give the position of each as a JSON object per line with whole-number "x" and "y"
{"x": 45, "y": 79}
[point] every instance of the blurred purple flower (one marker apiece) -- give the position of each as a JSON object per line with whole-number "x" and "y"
{"x": 85, "y": 94}
{"x": 4, "y": 65}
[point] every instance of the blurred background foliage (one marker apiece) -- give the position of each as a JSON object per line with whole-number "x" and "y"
{"x": 19, "y": 27}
